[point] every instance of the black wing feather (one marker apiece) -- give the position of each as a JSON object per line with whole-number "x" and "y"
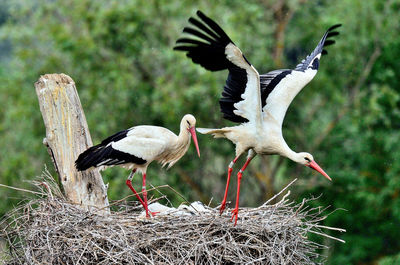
{"x": 209, "y": 52}
{"x": 198, "y": 34}
{"x": 104, "y": 154}
{"x": 269, "y": 81}
{"x": 190, "y": 41}
{"x": 213, "y": 25}
{"x": 203, "y": 27}
{"x": 320, "y": 48}
{"x": 115, "y": 137}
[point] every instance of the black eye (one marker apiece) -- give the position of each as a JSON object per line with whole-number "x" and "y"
{"x": 307, "y": 159}
{"x": 188, "y": 122}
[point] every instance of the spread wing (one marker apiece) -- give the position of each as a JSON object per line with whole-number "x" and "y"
{"x": 214, "y": 50}
{"x": 279, "y": 87}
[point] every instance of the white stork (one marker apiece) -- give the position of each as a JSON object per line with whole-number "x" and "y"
{"x": 258, "y": 102}
{"x": 137, "y": 147}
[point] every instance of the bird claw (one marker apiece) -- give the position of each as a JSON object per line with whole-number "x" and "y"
{"x": 152, "y": 214}
{"x": 235, "y": 213}
{"x": 222, "y": 208}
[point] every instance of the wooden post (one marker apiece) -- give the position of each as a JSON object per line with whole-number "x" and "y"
{"x": 67, "y": 135}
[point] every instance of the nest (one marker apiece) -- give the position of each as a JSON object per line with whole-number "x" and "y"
{"x": 50, "y": 230}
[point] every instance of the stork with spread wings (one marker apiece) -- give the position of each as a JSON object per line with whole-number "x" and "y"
{"x": 258, "y": 102}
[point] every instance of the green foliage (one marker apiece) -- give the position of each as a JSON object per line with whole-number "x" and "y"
{"x": 120, "y": 55}
{"x": 390, "y": 260}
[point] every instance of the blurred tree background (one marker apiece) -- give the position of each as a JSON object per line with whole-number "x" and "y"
{"x": 120, "y": 55}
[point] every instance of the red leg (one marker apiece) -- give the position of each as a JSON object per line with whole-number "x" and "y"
{"x": 235, "y": 211}
{"x": 223, "y": 203}
{"x": 129, "y": 184}
{"x": 144, "y": 192}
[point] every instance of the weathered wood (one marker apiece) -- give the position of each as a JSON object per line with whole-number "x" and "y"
{"x": 67, "y": 135}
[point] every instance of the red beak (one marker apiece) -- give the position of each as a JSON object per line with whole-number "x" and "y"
{"x": 193, "y": 133}
{"x": 315, "y": 166}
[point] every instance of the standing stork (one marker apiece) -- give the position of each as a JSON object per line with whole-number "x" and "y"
{"x": 137, "y": 147}
{"x": 258, "y": 102}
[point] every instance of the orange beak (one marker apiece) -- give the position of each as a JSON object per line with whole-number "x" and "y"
{"x": 315, "y": 166}
{"x": 193, "y": 133}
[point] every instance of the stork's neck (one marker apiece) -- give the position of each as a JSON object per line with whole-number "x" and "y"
{"x": 177, "y": 148}
{"x": 289, "y": 153}
{"x": 183, "y": 139}
{"x": 184, "y": 136}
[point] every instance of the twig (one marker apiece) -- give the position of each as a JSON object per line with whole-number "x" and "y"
{"x": 20, "y": 189}
{"x": 276, "y": 195}
{"x": 331, "y": 228}
{"x": 328, "y": 236}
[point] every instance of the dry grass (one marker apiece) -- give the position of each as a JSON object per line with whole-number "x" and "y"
{"x": 49, "y": 230}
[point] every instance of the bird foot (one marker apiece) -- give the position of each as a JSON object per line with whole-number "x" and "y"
{"x": 235, "y": 213}
{"x": 222, "y": 208}
{"x": 148, "y": 213}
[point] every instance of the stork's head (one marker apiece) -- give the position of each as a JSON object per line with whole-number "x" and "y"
{"x": 189, "y": 122}
{"x": 308, "y": 160}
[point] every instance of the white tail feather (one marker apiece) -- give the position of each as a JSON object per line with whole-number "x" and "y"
{"x": 217, "y": 133}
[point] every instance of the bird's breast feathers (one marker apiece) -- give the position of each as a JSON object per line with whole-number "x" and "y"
{"x": 265, "y": 141}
